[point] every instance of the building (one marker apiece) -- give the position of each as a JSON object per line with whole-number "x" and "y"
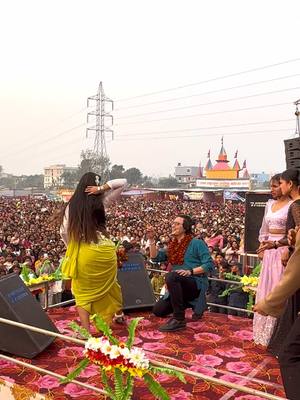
{"x": 260, "y": 180}
{"x": 53, "y": 175}
{"x": 222, "y": 176}
{"x": 186, "y": 175}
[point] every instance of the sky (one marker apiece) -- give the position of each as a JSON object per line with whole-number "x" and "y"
{"x": 182, "y": 74}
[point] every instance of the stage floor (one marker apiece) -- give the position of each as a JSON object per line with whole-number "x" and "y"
{"x": 218, "y": 345}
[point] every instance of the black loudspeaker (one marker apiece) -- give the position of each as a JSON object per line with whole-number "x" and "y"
{"x": 135, "y": 283}
{"x": 292, "y": 153}
{"x": 18, "y": 304}
{"x": 255, "y": 209}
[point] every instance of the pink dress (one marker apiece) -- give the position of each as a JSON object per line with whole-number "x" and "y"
{"x": 272, "y": 269}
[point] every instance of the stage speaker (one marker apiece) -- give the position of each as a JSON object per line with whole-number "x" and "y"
{"x": 135, "y": 283}
{"x": 254, "y": 213}
{"x": 18, "y": 304}
{"x": 292, "y": 153}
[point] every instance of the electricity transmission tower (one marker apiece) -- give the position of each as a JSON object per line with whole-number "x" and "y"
{"x": 297, "y": 113}
{"x": 100, "y": 114}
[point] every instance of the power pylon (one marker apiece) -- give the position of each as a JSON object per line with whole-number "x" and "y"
{"x": 100, "y": 115}
{"x": 297, "y": 113}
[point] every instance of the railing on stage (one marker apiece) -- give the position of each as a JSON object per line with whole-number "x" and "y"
{"x": 194, "y": 374}
{"x": 248, "y": 261}
{"x": 211, "y": 279}
{"x": 45, "y": 287}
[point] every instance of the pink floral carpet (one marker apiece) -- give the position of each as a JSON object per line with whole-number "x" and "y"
{"x": 218, "y": 345}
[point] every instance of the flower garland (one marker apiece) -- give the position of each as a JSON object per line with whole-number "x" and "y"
{"x": 119, "y": 363}
{"x": 101, "y": 352}
{"x": 176, "y": 250}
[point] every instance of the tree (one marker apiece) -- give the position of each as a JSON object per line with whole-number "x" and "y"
{"x": 169, "y": 182}
{"x": 90, "y": 162}
{"x": 147, "y": 182}
{"x": 117, "y": 171}
{"x": 70, "y": 178}
{"x": 133, "y": 176}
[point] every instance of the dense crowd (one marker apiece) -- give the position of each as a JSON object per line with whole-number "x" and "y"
{"x": 29, "y": 233}
{"x": 28, "y": 229}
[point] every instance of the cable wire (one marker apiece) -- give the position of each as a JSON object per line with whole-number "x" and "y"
{"x": 211, "y": 102}
{"x": 212, "y": 79}
{"x": 209, "y": 92}
{"x": 203, "y": 114}
{"x": 207, "y": 127}
{"x": 275, "y": 131}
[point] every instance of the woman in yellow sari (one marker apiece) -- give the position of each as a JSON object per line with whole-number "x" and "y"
{"x": 91, "y": 260}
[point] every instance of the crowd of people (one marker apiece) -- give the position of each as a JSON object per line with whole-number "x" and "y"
{"x": 41, "y": 233}
{"x": 30, "y": 233}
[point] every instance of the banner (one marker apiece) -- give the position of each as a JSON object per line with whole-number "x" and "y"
{"x": 232, "y": 196}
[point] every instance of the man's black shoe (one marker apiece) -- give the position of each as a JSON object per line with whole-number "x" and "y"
{"x": 172, "y": 325}
{"x": 196, "y": 317}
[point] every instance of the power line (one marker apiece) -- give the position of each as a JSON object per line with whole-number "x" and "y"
{"x": 204, "y": 114}
{"x": 209, "y": 92}
{"x": 43, "y": 141}
{"x": 208, "y": 127}
{"x": 209, "y": 103}
{"x": 212, "y": 79}
{"x": 275, "y": 131}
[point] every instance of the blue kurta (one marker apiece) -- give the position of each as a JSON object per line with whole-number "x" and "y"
{"x": 197, "y": 255}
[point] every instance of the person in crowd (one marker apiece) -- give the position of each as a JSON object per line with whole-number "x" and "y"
{"x": 237, "y": 298}
{"x": 272, "y": 230}
{"x": 91, "y": 260}
{"x": 216, "y": 288}
{"x": 187, "y": 281}
{"x": 289, "y": 184}
{"x": 232, "y": 253}
{"x": 274, "y": 305}
{"x": 215, "y": 240}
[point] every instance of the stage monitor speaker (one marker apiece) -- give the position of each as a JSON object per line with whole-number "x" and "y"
{"x": 136, "y": 287}
{"x": 18, "y": 304}
{"x": 255, "y": 208}
{"x": 292, "y": 153}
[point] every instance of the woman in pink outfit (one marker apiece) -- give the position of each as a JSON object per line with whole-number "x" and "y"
{"x": 272, "y": 230}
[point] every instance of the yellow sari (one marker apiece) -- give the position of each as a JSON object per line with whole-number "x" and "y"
{"x": 93, "y": 270}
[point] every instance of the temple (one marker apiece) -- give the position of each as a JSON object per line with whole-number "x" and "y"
{"x": 221, "y": 175}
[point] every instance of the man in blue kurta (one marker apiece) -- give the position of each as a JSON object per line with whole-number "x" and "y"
{"x": 187, "y": 280}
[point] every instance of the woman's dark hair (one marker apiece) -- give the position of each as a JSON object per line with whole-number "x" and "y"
{"x": 276, "y": 178}
{"x": 291, "y": 175}
{"x": 86, "y": 212}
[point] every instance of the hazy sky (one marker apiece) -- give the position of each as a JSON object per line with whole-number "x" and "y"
{"x": 55, "y": 53}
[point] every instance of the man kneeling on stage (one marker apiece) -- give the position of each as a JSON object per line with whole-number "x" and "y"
{"x": 187, "y": 282}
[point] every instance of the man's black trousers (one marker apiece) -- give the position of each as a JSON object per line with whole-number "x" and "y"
{"x": 182, "y": 289}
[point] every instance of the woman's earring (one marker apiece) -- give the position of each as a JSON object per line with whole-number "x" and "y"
{"x": 97, "y": 180}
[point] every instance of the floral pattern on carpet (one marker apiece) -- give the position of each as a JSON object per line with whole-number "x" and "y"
{"x": 218, "y": 345}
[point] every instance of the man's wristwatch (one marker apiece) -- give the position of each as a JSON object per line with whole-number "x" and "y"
{"x": 192, "y": 272}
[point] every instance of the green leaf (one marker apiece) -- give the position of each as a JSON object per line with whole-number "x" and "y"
{"x": 256, "y": 271}
{"x": 83, "y": 332}
{"x": 106, "y": 384}
{"x": 119, "y": 390}
{"x": 250, "y": 301}
{"x": 155, "y": 388}
{"x": 73, "y": 374}
{"x": 102, "y": 326}
{"x": 25, "y": 272}
{"x": 229, "y": 290}
{"x": 131, "y": 331}
{"x": 167, "y": 371}
{"x": 129, "y": 388}
{"x": 232, "y": 277}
